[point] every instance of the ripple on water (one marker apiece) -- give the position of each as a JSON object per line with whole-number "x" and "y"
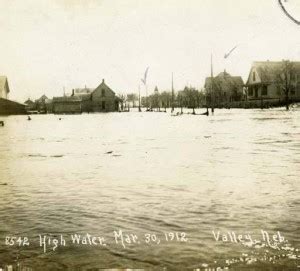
{"x": 233, "y": 172}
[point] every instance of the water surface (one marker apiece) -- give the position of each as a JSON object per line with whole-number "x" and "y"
{"x": 152, "y": 173}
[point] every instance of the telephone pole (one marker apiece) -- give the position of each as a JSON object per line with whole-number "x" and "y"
{"x": 172, "y": 95}
{"x": 140, "y": 110}
{"x": 212, "y": 83}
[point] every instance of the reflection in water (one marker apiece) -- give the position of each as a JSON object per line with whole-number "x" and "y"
{"x": 152, "y": 173}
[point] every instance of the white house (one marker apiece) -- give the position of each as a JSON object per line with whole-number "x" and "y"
{"x": 264, "y": 80}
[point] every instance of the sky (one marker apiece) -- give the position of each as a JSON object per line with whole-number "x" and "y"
{"x": 48, "y": 46}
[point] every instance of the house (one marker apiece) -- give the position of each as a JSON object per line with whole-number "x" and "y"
{"x": 42, "y": 99}
{"x": 100, "y": 99}
{"x": 41, "y": 104}
{"x": 104, "y": 99}
{"x": 30, "y": 105}
{"x": 265, "y": 80}
{"x": 4, "y": 88}
{"x": 85, "y": 96}
{"x": 66, "y": 105}
{"x": 226, "y": 88}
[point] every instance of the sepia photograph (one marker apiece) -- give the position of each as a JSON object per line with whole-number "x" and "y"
{"x": 149, "y": 135}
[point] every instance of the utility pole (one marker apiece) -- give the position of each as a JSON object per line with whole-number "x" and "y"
{"x": 212, "y": 83}
{"x": 146, "y": 96}
{"x": 140, "y": 110}
{"x": 172, "y": 95}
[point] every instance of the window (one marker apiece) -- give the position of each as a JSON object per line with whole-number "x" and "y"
{"x": 264, "y": 91}
{"x": 250, "y": 92}
{"x": 103, "y": 105}
{"x": 103, "y": 92}
{"x": 253, "y": 76}
{"x": 256, "y": 91}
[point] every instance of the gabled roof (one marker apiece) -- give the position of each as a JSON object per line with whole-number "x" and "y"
{"x": 42, "y": 98}
{"x": 103, "y": 85}
{"x": 29, "y": 102}
{"x": 3, "y": 83}
{"x": 225, "y": 81}
{"x": 223, "y": 74}
{"x": 269, "y": 70}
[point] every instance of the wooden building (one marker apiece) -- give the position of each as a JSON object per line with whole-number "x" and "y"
{"x": 84, "y": 94}
{"x": 104, "y": 99}
{"x": 100, "y": 99}
{"x": 226, "y": 88}
{"x": 8, "y": 107}
{"x": 41, "y": 104}
{"x": 30, "y": 106}
{"x": 66, "y": 105}
{"x": 265, "y": 80}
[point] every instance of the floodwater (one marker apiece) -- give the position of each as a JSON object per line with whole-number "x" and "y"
{"x": 186, "y": 181}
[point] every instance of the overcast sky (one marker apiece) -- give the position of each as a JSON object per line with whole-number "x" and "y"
{"x": 48, "y": 45}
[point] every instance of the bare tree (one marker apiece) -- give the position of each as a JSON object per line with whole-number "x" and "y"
{"x": 123, "y": 101}
{"x": 285, "y": 80}
{"x": 191, "y": 95}
{"x": 132, "y": 98}
{"x": 181, "y": 100}
{"x": 166, "y": 99}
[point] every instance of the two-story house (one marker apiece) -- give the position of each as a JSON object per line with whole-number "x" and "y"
{"x": 265, "y": 80}
{"x": 226, "y": 88}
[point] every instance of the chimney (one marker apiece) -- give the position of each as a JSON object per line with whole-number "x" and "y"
{"x": 73, "y": 92}
{"x": 103, "y": 81}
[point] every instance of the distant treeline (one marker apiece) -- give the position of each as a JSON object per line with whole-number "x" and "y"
{"x": 189, "y": 97}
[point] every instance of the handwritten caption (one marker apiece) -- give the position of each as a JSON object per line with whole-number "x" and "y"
{"x": 118, "y": 237}
{"x": 51, "y": 242}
